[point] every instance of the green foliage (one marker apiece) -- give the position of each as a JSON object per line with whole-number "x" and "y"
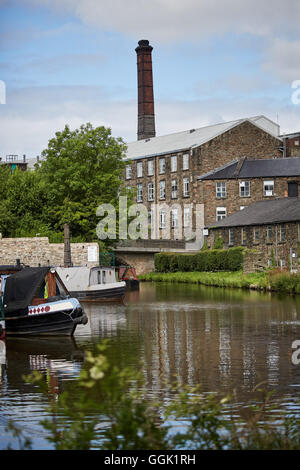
{"x": 112, "y": 412}
{"x": 218, "y": 243}
{"x": 208, "y": 260}
{"x": 82, "y": 169}
{"x": 284, "y": 281}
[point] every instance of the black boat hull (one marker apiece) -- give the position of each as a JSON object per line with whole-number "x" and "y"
{"x": 52, "y": 323}
{"x": 115, "y": 294}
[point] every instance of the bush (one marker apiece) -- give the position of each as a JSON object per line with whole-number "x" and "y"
{"x": 208, "y": 260}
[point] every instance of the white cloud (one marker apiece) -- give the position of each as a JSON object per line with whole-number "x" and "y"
{"x": 173, "y": 20}
{"x": 282, "y": 59}
{"x": 33, "y": 115}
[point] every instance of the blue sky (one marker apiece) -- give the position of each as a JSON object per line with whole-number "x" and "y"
{"x": 73, "y": 61}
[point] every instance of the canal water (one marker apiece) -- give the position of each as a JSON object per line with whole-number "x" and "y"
{"x": 226, "y": 340}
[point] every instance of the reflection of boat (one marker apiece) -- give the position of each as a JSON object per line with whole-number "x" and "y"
{"x": 36, "y": 302}
{"x": 97, "y": 284}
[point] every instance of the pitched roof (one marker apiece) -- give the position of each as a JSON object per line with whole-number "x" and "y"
{"x": 251, "y": 168}
{"x": 181, "y": 141}
{"x": 279, "y": 210}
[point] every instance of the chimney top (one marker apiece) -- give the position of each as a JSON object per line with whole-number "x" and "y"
{"x": 144, "y": 45}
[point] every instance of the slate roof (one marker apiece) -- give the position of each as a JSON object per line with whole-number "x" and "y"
{"x": 276, "y": 211}
{"x": 181, "y": 141}
{"x": 251, "y": 168}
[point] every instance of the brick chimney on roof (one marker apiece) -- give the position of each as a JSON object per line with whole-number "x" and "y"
{"x": 146, "y": 118}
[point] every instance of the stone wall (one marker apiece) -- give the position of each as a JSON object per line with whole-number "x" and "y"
{"x": 38, "y": 251}
{"x": 274, "y": 250}
{"x": 232, "y": 201}
{"x": 246, "y": 139}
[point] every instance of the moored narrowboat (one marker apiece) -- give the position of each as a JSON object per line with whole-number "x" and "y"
{"x": 36, "y": 302}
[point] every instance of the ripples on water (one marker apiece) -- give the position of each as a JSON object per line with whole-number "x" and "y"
{"x": 224, "y": 339}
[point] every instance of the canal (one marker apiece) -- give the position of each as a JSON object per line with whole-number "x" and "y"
{"x": 226, "y": 340}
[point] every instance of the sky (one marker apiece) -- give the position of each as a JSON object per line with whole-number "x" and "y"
{"x": 74, "y": 61}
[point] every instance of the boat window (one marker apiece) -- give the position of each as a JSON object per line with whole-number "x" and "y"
{"x": 99, "y": 277}
{"x": 104, "y": 277}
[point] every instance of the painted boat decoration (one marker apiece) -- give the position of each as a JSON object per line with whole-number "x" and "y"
{"x": 36, "y": 302}
{"x": 98, "y": 284}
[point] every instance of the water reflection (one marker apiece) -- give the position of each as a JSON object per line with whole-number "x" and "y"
{"x": 222, "y": 339}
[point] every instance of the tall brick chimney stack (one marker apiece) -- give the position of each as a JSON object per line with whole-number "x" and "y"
{"x": 146, "y": 118}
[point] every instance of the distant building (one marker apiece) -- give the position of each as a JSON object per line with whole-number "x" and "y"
{"x": 271, "y": 227}
{"x": 291, "y": 144}
{"x": 240, "y": 183}
{"x": 14, "y": 162}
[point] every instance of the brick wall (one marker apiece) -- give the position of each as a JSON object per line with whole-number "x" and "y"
{"x": 35, "y": 251}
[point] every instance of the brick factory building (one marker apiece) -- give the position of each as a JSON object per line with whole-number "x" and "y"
{"x": 165, "y": 169}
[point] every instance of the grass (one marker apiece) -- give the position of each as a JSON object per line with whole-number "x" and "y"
{"x": 218, "y": 279}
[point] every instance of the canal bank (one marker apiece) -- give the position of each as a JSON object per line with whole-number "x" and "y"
{"x": 277, "y": 281}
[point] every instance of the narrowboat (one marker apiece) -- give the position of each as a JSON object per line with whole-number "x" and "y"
{"x": 36, "y": 302}
{"x": 98, "y": 284}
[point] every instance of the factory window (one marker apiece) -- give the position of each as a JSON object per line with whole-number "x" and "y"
{"x": 174, "y": 215}
{"x": 139, "y": 169}
{"x": 269, "y": 188}
{"x": 150, "y": 167}
{"x": 162, "y": 165}
{"x": 269, "y": 233}
{"x": 245, "y": 189}
{"x": 186, "y": 187}
{"x": 185, "y": 161}
{"x": 151, "y": 191}
{"x": 174, "y": 189}
{"x": 128, "y": 172}
{"x": 162, "y": 190}
{"x": 174, "y": 163}
{"x": 256, "y": 235}
{"x": 186, "y": 217}
{"x": 220, "y": 189}
{"x": 162, "y": 219}
{"x": 139, "y": 193}
{"x": 220, "y": 213}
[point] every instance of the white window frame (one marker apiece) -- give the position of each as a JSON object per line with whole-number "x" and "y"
{"x": 269, "y": 188}
{"x": 162, "y": 166}
{"x": 139, "y": 196}
{"x": 173, "y": 163}
{"x": 162, "y": 189}
{"x": 174, "y": 189}
{"x": 128, "y": 172}
{"x": 139, "y": 169}
{"x": 150, "y": 167}
{"x": 174, "y": 218}
{"x": 221, "y": 190}
{"x": 151, "y": 191}
{"x": 245, "y": 189}
{"x": 162, "y": 219}
{"x": 186, "y": 187}
{"x": 243, "y": 236}
{"x": 185, "y": 161}
{"x": 186, "y": 217}
{"x": 221, "y": 213}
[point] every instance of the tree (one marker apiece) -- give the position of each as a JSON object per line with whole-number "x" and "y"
{"x": 82, "y": 169}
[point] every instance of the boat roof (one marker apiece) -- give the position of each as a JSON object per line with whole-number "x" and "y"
{"x": 21, "y": 287}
